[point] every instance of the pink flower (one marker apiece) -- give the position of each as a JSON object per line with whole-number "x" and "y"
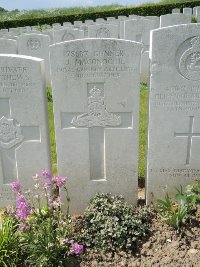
{"x": 46, "y": 174}
{"x": 16, "y": 186}
{"x": 59, "y": 180}
{"x": 77, "y": 249}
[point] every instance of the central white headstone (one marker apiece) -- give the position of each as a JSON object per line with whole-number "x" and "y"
{"x": 24, "y": 135}
{"x": 96, "y": 108}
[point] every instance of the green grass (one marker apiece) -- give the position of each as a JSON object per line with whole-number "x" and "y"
{"x": 142, "y": 141}
{"x": 143, "y": 131}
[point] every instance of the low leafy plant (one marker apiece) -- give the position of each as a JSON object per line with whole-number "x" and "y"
{"x": 45, "y": 232}
{"x": 110, "y": 224}
{"x": 176, "y": 211}
{"x": 8, "y": 241}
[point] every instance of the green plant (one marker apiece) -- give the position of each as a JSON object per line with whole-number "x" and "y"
{"x": 49, "y": 94}
{"x": 45, "y": 232}
{"x": 8, "y": 241}
{"x": 172, "y": 212}
{"x": 176, "y": 211}
{"x": 110, "y": 224}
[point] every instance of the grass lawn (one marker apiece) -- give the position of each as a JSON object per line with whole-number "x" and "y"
{"x": 143, "y": 133}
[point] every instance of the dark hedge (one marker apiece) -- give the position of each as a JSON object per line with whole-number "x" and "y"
{"x": 145, "y": 10}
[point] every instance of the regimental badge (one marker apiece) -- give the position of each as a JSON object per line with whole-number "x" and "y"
{"x": 189, "y": 64}
{"x": 97, "y": 114}
{"x": 10, "y": 133}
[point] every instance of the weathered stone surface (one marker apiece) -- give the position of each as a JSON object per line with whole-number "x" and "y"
{"x": 36, "y": 45}
{"x": 8, "y": 46}
{"x": 174, "y": 19}
{"x": 103, "y": 31}
{"x": 139, "y": 30}
{"x": 96, "y": 105}
{"x": 67, "y": 34}
{"x": 24, "y": 135}
{"x": 174, "y": 118}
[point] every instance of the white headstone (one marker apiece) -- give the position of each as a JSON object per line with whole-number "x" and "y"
{"x": 78, "y": 23}
{"x": 67, "y": 34}
{"x": 198, "y": 13}
{"x": 24, "y": 135}
{"x": 187, "y": 11}
{"x": 195, "y": 10}
{"x": 89, "y": 22}
{"x": 84, "y": 28}
{"x": 174, "y": 19}
{"x": 176, "y": 11}
{"x": 100, "y": 20}
{"x": 8, "y": 46}
{"x": 67, "y": 24}
{"x": 56, "y": 26}
{"x": 103, "y": 31}
{"x": 139, "y": 30}
{"x": 96, "y": 106}
{"x": 174, "y": 112}
{"x": 36, "y": 45}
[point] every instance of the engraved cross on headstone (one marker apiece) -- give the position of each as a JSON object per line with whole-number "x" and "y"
{"x": 189, "y": 136}
{"x": 97, "y": 119}
{"x": 12, "y": 136}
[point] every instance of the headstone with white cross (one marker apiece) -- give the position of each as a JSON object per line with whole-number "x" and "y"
{"x": 24, "y": 141}
{"x": 96, "y": 106}
{"x": 174, "y": 111}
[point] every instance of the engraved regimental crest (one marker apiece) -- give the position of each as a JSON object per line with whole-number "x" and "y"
{"x": 97, "y": 114}
{"x": 33, "y": 43}
{"x": 68, "y": 36}
{"x": 10, "y": 133}
{"x": 189, "y": 64}
{"x": 103, "y": 33}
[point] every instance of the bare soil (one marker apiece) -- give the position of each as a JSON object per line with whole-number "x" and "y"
{"x": 165, "y": 247}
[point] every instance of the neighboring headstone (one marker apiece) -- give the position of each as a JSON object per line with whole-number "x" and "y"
{"x": 100, "y": 20}
{"x": 89, "y": 22}
{"x": 96, "y": 86}
{"x": 103, "y": 31}
{"x": 56, "y": 26}
{"x": 195, "y": 10}
{"x": 68, "y": 24}
{"x": 176, "y": 11}
{"x": 84, "y": 28}
{"x": 24, "y": 134}
{"x": 198, "y": 13}
{"x": 111, "y": 20}
{"x": 187, "y": 11}
{"x": 67, "y": 34}
{"x": 174, "y": 19}
{"x": 36, "y": 45}
{"x": 77, "y": 23}
{"x": 174, "y": 111}
{"x": 8, "y": 46}
{"x": 49, "y": 32}
{"x": 139, "y": 31}
{"x": 145, "y": 67}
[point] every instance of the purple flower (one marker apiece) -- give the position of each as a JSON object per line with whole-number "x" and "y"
{"x": 23, "y": 226}
{"x": 22, "y": 208}
{"x": 46, "y": 174}
{"x": 16, "y": 186}
{"x": 59, "y": 180}
{"x": 77, "y": 249}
